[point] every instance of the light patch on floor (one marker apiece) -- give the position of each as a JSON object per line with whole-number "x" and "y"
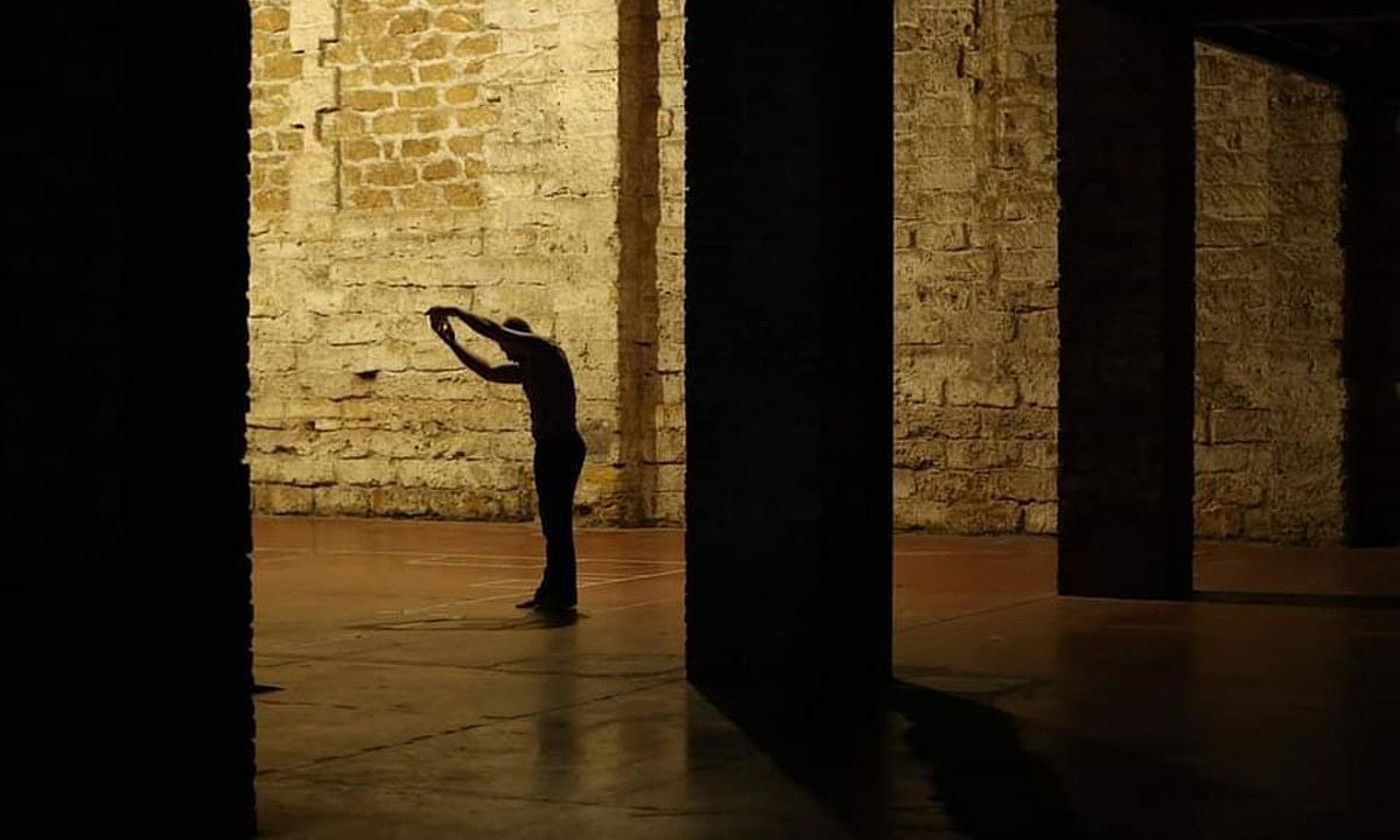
{"x": 417, "y": 702}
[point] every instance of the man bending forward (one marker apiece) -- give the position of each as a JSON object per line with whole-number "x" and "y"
{"x": 541, "y": 367}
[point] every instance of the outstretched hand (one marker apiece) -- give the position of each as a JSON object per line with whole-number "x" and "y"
{"x": 437, "y": 318}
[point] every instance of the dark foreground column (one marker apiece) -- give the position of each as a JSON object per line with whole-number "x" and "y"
{"x": 1371, "y": 342}
{"x": 788, "y": 347}
{"x": 1126, "y": 301}
{"x": 126, "y": 628}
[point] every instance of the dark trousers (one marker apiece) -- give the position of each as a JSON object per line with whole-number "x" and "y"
{"x": 558, "y": 463}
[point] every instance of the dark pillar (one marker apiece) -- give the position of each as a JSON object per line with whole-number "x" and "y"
{"x": 1371, "y": 342}
{"x": 127, "y": 623}
{"x": 1126, "y": 241}
{"x": 639, "y": 209}
{"x": 788, "y": 349}
{"x": 188, "y": 305}
{"x": 62, "y": 627}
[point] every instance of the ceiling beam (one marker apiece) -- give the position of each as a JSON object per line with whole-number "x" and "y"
{"x": 1213, "y": 13}
{"x": 1339, "y": 69}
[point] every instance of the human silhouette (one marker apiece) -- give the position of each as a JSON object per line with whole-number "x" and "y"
{"x": 541, "y": 367}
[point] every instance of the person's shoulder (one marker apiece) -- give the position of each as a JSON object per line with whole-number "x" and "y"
{"x": 528, "y": 341}
{"x": 555, "y": 350}
{"x": 545, "y": 349}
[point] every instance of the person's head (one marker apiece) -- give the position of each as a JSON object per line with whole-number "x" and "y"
{"x": 514, "y": 324}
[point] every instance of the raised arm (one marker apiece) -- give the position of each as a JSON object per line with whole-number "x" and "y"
{"x": 506, "y": 373}
{"x": 512, "y": 341}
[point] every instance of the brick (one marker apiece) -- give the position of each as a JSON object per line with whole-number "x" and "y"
{"x": 442, "y": 71}
{"x": 282, "y": 499}
{"x": 1042, "y": 518}
{"x": 341, "y": 53}
{"x": 477, "y": 117}
{"x": 367, "y": 100}
{"x": 422, "y": 196}
{"x": 465, "y": 144}
{"x": 441, "y": 170}
{"x": 1229, "y": 489}
{"x": 431, "y": 121}
{"x": 455, "y": 20}
{"x": 989, "y": 517}
{"x": 981, "y": 454}
{"x": 369, "y": 199}
{"x": 415, "y": 147}
{"x": 431, "y": 48}
{"x": 284, "y": 66}
{"x": 463, "y": 195}
{"x": 290, "y": 141}
{"x": 1024, "y": 485}
{"x": 394, "y": 122}
{"x": 341, "y": 501}
{"x": 271, "y": 19}
{"x": 383, "y": 49}
{"x": 1239, "y": 426}
{"x": 391, "y": 174}
{"x": 1002, "y": 394}
{"x": 399, "y": 501}
{"x": 473, "y": 46}
{"x": 419, "y": 98}
{"x": 408, "y": 23}
{"x": 462, "y": 94}
{"x": 365, "y": 24}
{"x": 271, "y": 201}
{"x": 359, "y": 149}
{"x": 389, "y": 74}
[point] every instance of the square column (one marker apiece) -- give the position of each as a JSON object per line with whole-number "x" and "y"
{"x": 1127, "y": 319}
{"x": 789, "y": 329}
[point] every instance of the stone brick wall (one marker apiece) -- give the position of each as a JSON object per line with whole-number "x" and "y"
{"x": 416, "y": 152}
{"x": 975, "y": 265}
{"x": 651, "y": 232}
{"x": 668, "y": 502}
{"x": 1269, "y": 395}
{"x": 528, "y": 158}
{"x": 976, "y": 287}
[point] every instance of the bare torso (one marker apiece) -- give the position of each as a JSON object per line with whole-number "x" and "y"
{"x": 549, "y": 387}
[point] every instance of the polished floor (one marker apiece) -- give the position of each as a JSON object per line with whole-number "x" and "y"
{"x": 410, "y": 700}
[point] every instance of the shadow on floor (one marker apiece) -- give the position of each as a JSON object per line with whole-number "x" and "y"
{"x": 926, "y": 763}
{"x": 1300, "y": 599}
{"x": 979, "y": 771}
{"x": 931, "y": 763}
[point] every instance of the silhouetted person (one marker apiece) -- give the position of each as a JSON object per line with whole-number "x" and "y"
{"x": 542, "y": 368}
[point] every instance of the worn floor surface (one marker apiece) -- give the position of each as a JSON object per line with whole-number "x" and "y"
{"x": 413, "y": 701}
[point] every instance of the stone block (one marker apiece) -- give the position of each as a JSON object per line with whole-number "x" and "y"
{"x": 1041, "y": 518}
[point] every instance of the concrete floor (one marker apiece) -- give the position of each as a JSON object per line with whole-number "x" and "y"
{"x": 415, "y": 702}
